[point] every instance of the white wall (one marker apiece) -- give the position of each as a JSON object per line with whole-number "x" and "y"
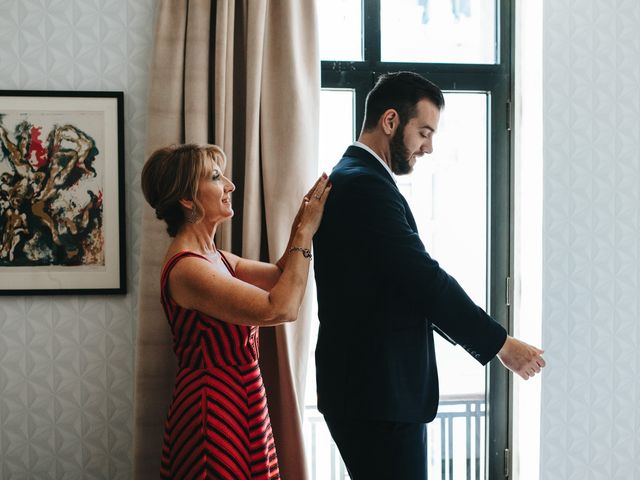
{"x": 66, "y": 363}
{"x": 590, "y": 426}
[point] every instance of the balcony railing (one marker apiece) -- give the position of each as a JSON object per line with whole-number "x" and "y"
{"x": 455, "y": 442}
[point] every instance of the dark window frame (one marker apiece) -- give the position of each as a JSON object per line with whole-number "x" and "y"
{"x": 497, "y": 80}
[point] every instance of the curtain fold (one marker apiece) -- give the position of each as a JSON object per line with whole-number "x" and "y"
{"x": 290, "y": 93}
{"x": 155, "y": 362}
{"x": 245, "y": 75}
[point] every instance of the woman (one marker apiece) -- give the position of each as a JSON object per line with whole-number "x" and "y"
{"x": 218, "y": 423}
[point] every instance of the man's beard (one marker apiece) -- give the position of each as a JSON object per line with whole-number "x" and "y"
{"x": 399, "y": 153}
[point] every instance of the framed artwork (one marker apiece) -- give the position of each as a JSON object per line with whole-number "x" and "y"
{"x": 62, "y": 228}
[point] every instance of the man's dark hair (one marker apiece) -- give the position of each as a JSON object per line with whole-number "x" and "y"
{"x": 401, "y": 91}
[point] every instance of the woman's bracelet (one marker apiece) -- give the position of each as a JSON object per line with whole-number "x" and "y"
{"x": 306, "y": 253}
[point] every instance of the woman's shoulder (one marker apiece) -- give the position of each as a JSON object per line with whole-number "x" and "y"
{"x": 181, "y": 260}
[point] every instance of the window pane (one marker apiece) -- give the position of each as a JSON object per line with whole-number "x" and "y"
{"x": 447, "y": 193}
{"x": 336, "y": 134}
{"x": 336, "y": 126}
{"x": 438, "y": 31}
{"x": 340, "y": 24}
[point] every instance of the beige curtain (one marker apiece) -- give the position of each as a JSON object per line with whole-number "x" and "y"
{"x": 245, "y": 75}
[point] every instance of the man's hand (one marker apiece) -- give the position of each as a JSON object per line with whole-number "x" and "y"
{"x": 521, "y": 358}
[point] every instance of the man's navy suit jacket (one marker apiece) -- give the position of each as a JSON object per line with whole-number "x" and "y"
{"x": 380, "y": 296}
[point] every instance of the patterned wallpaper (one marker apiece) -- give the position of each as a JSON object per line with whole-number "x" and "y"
{"x": 590, "y": 425}
{"x": 66, "y": 363}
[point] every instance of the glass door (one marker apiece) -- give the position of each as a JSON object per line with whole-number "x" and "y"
{"x": 447, "y": 193}
{"x": 460, "y": 196}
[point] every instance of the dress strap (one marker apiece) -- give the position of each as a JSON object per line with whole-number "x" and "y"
{"x": 226, "y": 263}
{"x": 169, "y": 266}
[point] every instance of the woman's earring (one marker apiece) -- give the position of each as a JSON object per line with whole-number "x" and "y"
{"x": 192, "y": 216}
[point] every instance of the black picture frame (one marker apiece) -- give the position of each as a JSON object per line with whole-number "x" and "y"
{"x": 62, "y": 208}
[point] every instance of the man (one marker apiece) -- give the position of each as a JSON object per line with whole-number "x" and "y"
{"x": 381, "y": 296}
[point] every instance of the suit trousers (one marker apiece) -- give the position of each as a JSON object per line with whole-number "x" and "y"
{"x": 381, "y": 450}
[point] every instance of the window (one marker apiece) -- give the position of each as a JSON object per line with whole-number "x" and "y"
{"x": 460, "y": 195}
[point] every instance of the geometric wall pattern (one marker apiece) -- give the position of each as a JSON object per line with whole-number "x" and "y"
{"x": 66, "y": 362}
{"x": 590, "y": 424}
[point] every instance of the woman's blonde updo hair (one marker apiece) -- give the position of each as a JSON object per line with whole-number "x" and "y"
{"x": 172, "y": 173}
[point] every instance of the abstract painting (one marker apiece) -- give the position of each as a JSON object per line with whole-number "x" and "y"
{"x": 61, "y": 201}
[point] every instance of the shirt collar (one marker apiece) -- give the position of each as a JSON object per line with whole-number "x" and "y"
{"x": 377, "y": 157}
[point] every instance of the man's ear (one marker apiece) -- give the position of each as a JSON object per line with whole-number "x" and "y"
{"x": 389, "y": 121}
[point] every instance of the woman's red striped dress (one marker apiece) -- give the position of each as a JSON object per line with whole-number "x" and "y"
{"x": 218, "y": 424}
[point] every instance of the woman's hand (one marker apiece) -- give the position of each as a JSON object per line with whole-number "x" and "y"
{"x": 308, "y": 213}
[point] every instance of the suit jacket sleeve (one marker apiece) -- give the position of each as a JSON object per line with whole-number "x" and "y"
{"x": 379, "y": 215}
